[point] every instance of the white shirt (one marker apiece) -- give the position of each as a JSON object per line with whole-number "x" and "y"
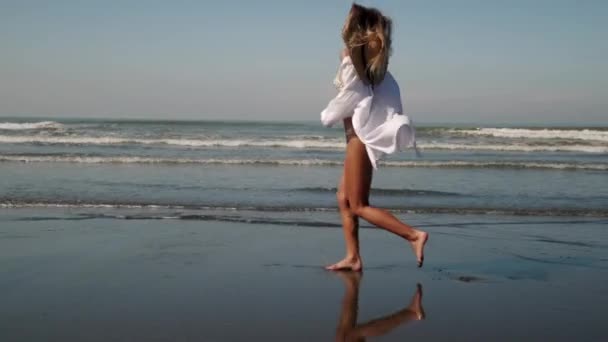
{"x": 377, "y": 113}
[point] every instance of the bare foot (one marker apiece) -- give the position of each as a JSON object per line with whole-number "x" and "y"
{"x": 416, "y": 304}
{"x": 346, "y": 264}
{"x": 418, "y": 246}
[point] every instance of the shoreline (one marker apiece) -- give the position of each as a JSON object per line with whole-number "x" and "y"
{"x": 200, "y": 211}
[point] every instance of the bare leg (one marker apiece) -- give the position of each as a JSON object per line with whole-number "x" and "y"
{"x": 350, "y": 228}
{"x": 357, "y": 181}
{"x": 349, "y": 330}
{"x": 381, "y": 326}
{"x": 348, "y": 312}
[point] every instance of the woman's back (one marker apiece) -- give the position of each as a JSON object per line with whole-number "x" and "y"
{"x": 387, "y": 96}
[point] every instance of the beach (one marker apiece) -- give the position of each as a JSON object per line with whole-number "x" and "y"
{"x": 81, "y": 274}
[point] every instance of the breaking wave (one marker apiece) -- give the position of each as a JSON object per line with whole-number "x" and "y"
{"x": 300, "y": 162}
{"x": 329, "y": 143}
{"x": 14, "y": 126}
{"x": 570, "y": 134}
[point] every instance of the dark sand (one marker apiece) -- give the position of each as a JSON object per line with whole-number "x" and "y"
{"x": 485, "y": 278}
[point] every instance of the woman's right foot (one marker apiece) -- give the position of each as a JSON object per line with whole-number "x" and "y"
{"x": 346, "y": 264}
{"x": 418, "y": 246}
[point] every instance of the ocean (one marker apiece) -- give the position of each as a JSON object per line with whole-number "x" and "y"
{"x": 285, "y": 172}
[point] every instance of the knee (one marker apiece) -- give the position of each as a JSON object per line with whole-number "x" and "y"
{"x": 358, "y": 209}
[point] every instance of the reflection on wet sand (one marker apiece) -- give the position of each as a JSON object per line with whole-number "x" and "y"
{"x": 349, "y": 330}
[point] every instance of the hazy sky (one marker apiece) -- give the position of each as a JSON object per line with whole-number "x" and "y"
{"x": 456, "y": 61}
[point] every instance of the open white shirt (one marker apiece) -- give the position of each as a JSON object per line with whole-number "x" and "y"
{"x": 377, "y": 113}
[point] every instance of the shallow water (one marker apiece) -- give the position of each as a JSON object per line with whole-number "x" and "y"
{"x": 295, "y": 167}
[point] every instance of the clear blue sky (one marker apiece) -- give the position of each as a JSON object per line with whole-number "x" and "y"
{"x": 456, "y": 61}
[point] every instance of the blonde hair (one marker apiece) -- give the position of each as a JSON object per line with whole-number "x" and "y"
{"x": 367, "y": 35}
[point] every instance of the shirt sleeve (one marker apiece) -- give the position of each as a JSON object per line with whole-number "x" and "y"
{"x": 344, "y": 104}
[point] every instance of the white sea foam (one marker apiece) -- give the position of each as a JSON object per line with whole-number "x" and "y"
{"x": 571, "y": 134}
{"x": 301, "y": 162}
{"x": 500, "y": 165}
{"x": 107, "y": 140}
{"x": 331, "y": 144}
{"x": 204, "y": 216}
{"x": 76, "y": 205}
{"x": 13, "y": 126}
{"x": 515, "y": 147}
{"x": 147, "y": 160}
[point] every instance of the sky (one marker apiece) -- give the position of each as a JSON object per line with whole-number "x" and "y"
{"x": 537, "y": 61}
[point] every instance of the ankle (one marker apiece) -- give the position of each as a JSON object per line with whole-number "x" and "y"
{"x": 352, "y": 258}
{"x": 416, "y": 235}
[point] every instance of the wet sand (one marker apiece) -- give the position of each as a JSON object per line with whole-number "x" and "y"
{"x": 485, "y": 278}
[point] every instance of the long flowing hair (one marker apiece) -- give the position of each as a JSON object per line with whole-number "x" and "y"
{"x": 367, "y": 36}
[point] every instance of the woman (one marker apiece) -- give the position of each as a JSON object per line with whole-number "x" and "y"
{"x": 369, "y": 104}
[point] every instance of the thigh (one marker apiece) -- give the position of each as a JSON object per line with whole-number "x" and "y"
{"x": 357, "y": 173}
